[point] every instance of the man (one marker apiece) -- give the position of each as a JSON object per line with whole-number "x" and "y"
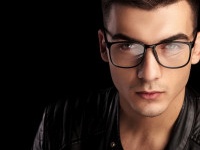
{"x": 150, "y": 47}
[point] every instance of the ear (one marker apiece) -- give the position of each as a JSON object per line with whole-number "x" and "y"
{"x": 102, "y": 46}
{"x": 195, "y": 57}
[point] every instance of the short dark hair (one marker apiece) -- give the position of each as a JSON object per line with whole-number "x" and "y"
{"x": 149, "y": 5}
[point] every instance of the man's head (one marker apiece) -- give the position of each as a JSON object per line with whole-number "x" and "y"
{"x": 149, "y": 5}
{"x": 153, "y": 42}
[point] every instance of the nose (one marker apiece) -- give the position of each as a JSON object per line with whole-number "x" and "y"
{"x": 149, "y": 69}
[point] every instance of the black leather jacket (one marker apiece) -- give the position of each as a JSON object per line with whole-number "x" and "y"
{"x": 91, "y": 123}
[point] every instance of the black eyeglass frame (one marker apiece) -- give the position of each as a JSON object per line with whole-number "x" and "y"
{"x": 152, "y": 46}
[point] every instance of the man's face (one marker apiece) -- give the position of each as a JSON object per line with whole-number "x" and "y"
{"x": 150, "y": 89}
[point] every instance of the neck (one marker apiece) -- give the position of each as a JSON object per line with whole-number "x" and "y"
{"x": 154, "y": 131}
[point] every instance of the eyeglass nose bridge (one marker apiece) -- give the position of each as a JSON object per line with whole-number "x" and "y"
{"x": 149, "y": 46}
{"x": 153, "y": 46}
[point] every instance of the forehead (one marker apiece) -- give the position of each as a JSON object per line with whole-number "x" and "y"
{"x": 158, "y": 23}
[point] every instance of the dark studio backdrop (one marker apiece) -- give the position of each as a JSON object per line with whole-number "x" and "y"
{"x": 59, "y": 55}
{"x": 62, "y": 57}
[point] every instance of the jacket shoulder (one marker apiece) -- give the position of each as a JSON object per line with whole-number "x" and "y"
{"x": 194, "y": 97}
{"x": 78, "y": 118}
{"x": 92, "y": 101}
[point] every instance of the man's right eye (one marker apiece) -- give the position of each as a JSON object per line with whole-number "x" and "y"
{"x": 127, "y": 46}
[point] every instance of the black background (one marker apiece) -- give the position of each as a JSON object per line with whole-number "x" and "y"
{"x": 53, "y": 51}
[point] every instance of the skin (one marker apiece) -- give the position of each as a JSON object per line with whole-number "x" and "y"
{"x": 149, "y": 119}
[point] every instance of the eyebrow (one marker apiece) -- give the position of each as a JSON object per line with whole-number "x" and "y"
{"x": 179, "y": 36}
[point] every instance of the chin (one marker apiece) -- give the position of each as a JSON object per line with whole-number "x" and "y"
{"x": 151, "y": 112}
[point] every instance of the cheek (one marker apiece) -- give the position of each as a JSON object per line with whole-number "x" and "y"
{"x": 122, "y": 77}
{"x": 178, "y": 78}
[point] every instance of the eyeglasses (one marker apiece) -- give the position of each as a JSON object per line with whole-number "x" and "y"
{"x": 127, "y": 54}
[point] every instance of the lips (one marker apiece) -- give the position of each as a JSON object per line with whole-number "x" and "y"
{"x": 149, "y": 95}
